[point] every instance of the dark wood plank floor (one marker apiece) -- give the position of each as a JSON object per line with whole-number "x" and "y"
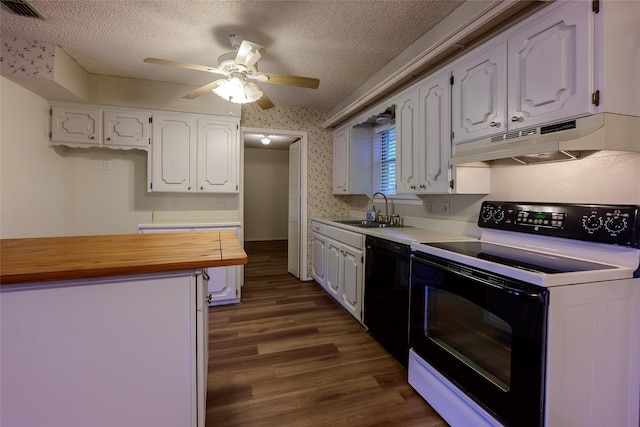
{"x": 289, "y": 356}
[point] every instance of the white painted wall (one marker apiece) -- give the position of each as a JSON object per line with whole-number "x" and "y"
{"x": 32, "y": 188}
{"x": 62, "y": 191}
{"x": 266, "y": 198}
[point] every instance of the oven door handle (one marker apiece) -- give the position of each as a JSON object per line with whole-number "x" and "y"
{"x": 469, "y": 274}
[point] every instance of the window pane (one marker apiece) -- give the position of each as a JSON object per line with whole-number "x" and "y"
{"x": 384, "y": 168}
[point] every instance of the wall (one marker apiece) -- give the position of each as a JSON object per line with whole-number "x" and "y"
{"x": 62, "y": 191}
{"x": 266, "y": 196}
{"x": 32, "y": 188}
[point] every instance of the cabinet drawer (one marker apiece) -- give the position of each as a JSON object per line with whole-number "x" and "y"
{"x": 319, "y": 227}
{"x": 347, "y": 237}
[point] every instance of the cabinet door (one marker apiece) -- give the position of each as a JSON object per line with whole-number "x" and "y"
{"x": 222, "y": 285}
{"x": 82, "y": 126}
{"x": 334, "y": 259}
{"x": 218, "y": 156}
{"x": 407, "y": 130}
{"x": 479, "y": 94}
{"x": 351, "y": 291}
{"x": 173, "y": 163}
{"x": 340, "y": 161}
{"x": 125, "y": 129}
{"x": 318, "y": 253}
{"x": 549, "y": 68}
{"x": 434, "y": 148}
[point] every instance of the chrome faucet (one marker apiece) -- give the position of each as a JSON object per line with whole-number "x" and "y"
{"x": 386, "y": 204}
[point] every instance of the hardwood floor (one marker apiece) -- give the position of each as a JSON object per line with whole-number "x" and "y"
{"x": 289, "y": 356}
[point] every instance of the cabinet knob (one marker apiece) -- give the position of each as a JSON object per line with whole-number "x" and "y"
{"x": 423, "y": 186}
{"x": 413, "y": 187}
{"x": 201, "y": 188}
{"x": 493, "y": 124}
{"x": 188, "y": 188}
{"x": 92, "y": 137}
{"x": 515, "y": 118}
{"x": 108, "y": 138}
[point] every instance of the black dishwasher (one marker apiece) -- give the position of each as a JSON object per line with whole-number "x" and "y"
{"x": 386, "y": 295}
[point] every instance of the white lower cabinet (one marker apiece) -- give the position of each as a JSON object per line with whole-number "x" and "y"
{"x": 225, "y": 283}
{"x": 344, "y": 263}
{"x": 318, "y": 258}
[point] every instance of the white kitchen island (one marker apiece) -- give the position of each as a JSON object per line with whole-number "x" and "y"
{"x": 124, "y": 344}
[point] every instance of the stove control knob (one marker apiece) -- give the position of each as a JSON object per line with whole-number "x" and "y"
{"x": 486, "y": 214}
{"x": 592, "y": 222}
{"x": 616, "y": 224}
{"x": 498, "y": 215}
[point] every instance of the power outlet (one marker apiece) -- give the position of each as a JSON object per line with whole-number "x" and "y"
{"x": 443, "y": 209}
{"x": 106, "y": 165}
{"x": 430, "y": 207}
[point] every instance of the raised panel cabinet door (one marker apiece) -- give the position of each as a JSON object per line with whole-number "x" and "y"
{"x": 123, "y": 129}
{"x": 351, "y": 295}
{"x": 174, "y": 154}
{"x": 333, "y": 272}
{"x": 318, "y": 253}
{"x": 550, "y": 68}
{"x": 218, "y": 156}
{"x": 435, "y": 135}
{"x": 479, "y": 95}
{"x": 76, "y": 125}
{"x": 222, "y": 284}
{"x": 407, "y": 130}
{"x": 340, "y": 162}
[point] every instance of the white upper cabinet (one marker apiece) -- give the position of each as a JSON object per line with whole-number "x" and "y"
{"x": 539, "y": 72}
{"x": 550, "y": 68}
{"x": 435, "y": 149}
{"x": 173, "y": 159}
{"x": 218, "y": 155}
{"x": 93, "y": 126}
{"x": 127, "y": 129}
{"x": 408, "y": 142}
{"x": 78, "y": 126}
{"x": 194, "y": 154}
{"x": 479, "y": 94}
{"x": 340, "y": 159}
{"x": 352, "y": 157}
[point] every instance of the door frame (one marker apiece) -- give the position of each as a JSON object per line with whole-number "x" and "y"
{"x": 304, "y": 273}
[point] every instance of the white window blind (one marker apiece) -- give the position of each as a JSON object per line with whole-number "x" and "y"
{"x": 384, "y": 157}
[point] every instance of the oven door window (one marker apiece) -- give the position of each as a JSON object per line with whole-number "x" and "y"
{"x": 484, "y": 332}
{"x": 472, "y": 334}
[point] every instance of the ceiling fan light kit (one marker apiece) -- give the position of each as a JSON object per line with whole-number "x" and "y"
{"x": 238, "y": 67}
{"x": 237, "y": 90}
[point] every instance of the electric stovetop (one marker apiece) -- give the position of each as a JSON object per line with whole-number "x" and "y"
{"x": 520, "y": 258}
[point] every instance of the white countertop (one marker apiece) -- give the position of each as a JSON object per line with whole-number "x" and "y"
{"x": 193, "y": 219}
{"x": 415, "y": 230}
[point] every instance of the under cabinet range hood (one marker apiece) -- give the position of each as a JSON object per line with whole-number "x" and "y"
{"x": 568, "y": 140}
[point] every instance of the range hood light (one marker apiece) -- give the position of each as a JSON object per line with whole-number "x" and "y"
{"x": 551, "y": 156}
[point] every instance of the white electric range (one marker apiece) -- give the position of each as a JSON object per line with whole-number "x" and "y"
{"x": 537, "y": 323}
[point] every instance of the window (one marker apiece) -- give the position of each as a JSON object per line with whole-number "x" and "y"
{"x": 384, "y": 159}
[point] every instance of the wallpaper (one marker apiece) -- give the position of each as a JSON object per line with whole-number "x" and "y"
{"x": 27, "y": 58}
{"x": 320, "y": 198}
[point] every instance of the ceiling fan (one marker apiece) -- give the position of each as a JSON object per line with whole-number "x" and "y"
{"x": 238, "y": 68}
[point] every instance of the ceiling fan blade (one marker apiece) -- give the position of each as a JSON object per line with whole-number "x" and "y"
{"x": 264, "y": 102}
{"x": 248, "y": 54}
{"x": 203, "y": 89}
{"x": 185, "y": 65}
{"x": 282, "y": 79}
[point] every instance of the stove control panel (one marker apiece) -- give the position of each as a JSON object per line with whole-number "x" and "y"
{"x": 614, "y": 224}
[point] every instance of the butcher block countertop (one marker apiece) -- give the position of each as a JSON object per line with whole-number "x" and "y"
{"x": 80, "y": 257}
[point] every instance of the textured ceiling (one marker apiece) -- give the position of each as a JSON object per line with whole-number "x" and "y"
{"x": 342, "y": 43}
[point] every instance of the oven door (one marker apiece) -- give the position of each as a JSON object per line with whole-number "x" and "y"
{"x": 484, "y": 332}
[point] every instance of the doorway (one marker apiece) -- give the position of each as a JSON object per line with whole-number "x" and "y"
{"x": 266, "y": 206}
